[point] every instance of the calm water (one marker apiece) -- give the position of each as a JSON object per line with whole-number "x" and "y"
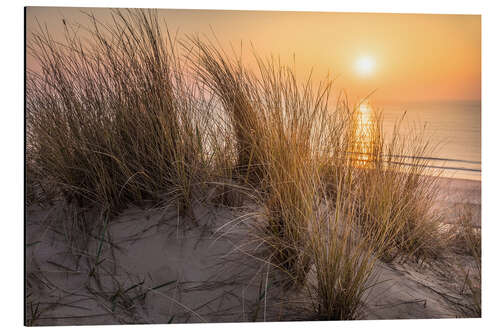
{"x": 455, "y": 127}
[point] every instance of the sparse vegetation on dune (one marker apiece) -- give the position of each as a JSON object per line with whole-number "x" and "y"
{"x": 465, "y": 239}
{"x": 395, "y": 197}
{"x": 115, "y": 120}
{"x": 126, "y": 117}
{"x": 343, "y": 259}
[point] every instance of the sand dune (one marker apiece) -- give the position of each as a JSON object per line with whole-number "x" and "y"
{"x": 154, "y": 268}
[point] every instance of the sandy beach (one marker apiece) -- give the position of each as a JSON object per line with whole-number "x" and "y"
{"x": 152, "y": 269}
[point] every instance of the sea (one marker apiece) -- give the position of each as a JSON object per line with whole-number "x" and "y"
{"x": 453, "y": 128}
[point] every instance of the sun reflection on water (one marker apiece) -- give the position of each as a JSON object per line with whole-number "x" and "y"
{"x": 363, "y": 145}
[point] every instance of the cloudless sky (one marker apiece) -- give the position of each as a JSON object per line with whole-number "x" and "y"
{"x": 416, "y": 57}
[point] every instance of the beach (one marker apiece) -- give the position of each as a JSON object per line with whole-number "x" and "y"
{"x": 155, "y": 270}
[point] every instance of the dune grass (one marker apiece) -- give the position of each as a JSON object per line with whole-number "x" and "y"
{"x": 114, "y": 121}
{"x": 343, "y": 259}
{"x": 125, "y": 117}
{"x": 465, "y": 239}
{"x": 396, "y": 194}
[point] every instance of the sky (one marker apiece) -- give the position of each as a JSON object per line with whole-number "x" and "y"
{"x": 397, "y": 57}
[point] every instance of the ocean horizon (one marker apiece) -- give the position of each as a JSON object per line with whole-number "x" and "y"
{"x": 453, "y": 127}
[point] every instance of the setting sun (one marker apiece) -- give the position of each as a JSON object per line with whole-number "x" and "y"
{"x": 365, "y": 65}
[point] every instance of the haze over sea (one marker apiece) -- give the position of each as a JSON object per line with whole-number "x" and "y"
{"x": 454, "y": 126}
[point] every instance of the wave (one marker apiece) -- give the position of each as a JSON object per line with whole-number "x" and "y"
{"x": 434, "y": 159}
{"x": 441, "y": 159}
{"x": 438, "y": 167}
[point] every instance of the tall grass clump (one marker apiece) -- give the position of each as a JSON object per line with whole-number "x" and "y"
{"x": 271, "y": 118}
{"x": 237, "y": 91}
{"x": 396, "y": 191}
{"x": 292, "y": 114}
{"x": 377, "y": 203}
{"x": 112, "y": 118}
{"x": 343, "y": 259}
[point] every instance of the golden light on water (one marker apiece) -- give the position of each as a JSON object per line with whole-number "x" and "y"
{"x": 362, "y": 149}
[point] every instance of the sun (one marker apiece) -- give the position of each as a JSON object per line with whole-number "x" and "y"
{"x": 365, "y": 65}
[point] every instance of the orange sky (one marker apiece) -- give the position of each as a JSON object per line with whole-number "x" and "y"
{"x": 416, "y": 57}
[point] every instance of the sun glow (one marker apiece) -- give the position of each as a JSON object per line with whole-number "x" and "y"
{"x": 365, "y": 65}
